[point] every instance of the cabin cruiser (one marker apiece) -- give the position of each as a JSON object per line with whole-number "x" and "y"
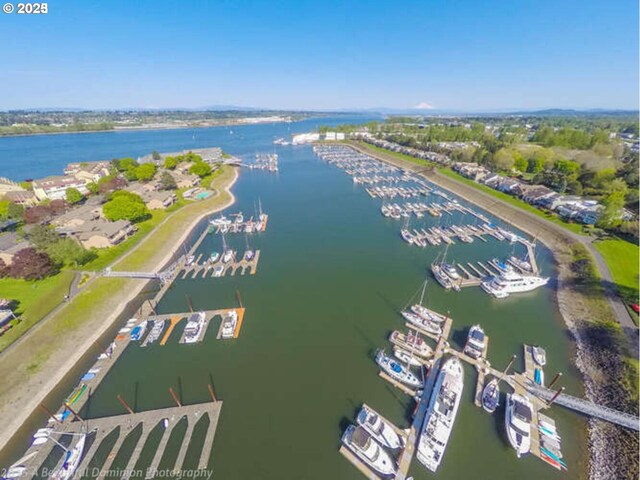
{"x": 156, "y": 331}
{"x": 441, "y": 414}
{"x": 491, "y": 396}
{"x": 450, "y": 270}
{"x": 427, "y": 314}
{"x": 539, "y": 355}
{"x": 215, "y": 256}
{"x": 248, "y": 255}
{"x": 476, "y": 342}
{"x": 71, "y": 461}
{"x": 228, "y": 255}
{"x": 422, "y": 323}
{"x": 518, "y": 423}
{"x": 411, "y": 342}
{"x": 512, "y": 282}
{"x": 381, "y": 431}
{"x": 229, "y": 322}
{"x": 138, "y": 331}
{"x": 194, "y": 327}
{"x": 362, "y": 444}
{"x": 397, "y": 371}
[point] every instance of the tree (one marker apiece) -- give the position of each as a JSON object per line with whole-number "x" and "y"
{"x": 146, "y": 171}
{"x": 155, "y": 155}
{"x": 519, "y": 163}
{"x": 200, "y": 169}
{"x": 535, "y": 165}
{"x": 171, "y": 162}
{"x": 124, "y": 164}
{"x": 4, "y": 269}
{"x": 503, "y": 160}
{"x": 43, "y": 236}
{"x": 15, "y": 211}
{"x": 167, "y": 182}
{"x": 73, "y": 196}
{"x": 31, "y": 264}
{"x": 27, "y": 185}
{"x": 612, "y": 205}
{"x": 36, "y": 214}
{"x": 131, "y": 174}
{"x": 93, "y": 188}
{"x": 125, "y": 206}
{"x": 66, "y": 251}
{"x": 4, "y": 209}
{"x": 111, "y": 183}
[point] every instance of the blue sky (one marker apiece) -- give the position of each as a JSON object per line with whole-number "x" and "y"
{"x": 449, "y": 54}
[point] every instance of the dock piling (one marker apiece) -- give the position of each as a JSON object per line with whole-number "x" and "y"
{"x": 124, "y": 404}
{"x": 553, "y": 399}
{"x": 213, "y": 397}
{"x": 175, "y": 397}
{"x": 555, "y": 379}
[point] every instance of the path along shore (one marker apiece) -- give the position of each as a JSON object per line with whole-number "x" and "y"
{"x": 613, "y": 449}
{"x": 35, "y": 367}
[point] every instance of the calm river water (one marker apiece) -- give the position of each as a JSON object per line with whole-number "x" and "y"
{"x": 332, "y": 276}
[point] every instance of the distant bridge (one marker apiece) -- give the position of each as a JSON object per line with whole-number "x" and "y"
{"x": 588, "y": 408}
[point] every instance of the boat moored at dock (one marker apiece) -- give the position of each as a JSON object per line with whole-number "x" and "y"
{"x": 441, "y": 414}
{"x": 411, "y": 342}
{"x": 397, "y": 371}
{"x": 491, "y": 396}
{"x": 194, "y": 327}
{"x": 518, "y": 415}
{"x": 379, "y": 429}
{"x": 476, "y": 342}
{"x": 362, "y": 444}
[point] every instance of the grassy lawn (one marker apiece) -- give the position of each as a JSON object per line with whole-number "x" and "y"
{"x": 574, "y": 227}
{"x": 35, "y": 299}
{"x": 622, "y": 258}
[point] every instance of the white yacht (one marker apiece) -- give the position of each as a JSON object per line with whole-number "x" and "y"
{"x": 219, "y": 221}
{"x": 228, "y": 255}
{"x": 229, "y": 322}
{"x": 71, "y": 461}
{"x": 406, "y": 236}
{"x": 428, "y": 314}
{"x": 397, "y": 371}
{"x": 362, "y": 444}
{"x": 518, "y": 423}
{"x": 512, "y": 282}
{"x": 194, "y": 327}
{"x": 380, "y": 430}
{"x": 441, "y": 277}
{"x": 476, "y": 342}
{"x": 441, "y": 414}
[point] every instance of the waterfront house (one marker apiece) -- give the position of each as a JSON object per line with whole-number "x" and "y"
{"x": 21, "y": 197}
{"x": 153, "y": 198}
{"x": 98, "y": 233}
{"x": 55, "y": 188}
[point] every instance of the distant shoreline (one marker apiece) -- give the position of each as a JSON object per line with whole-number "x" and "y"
{"x": 153, "y": 127}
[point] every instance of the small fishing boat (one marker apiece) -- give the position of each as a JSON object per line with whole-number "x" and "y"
{"x": 215, "y": 256}
{"x": 228, "y": 255}
{"x": 380, "y": 430}
{"x": 397, "y": 371}
{"x": 491, "y": 396}
{"x": 539, "y": 355}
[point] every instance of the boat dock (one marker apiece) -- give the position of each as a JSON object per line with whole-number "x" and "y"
{"x": 206, "y": 269}
{"x": 99, "y": 429}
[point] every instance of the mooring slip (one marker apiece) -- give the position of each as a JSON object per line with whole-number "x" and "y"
{"x": 98, "y": 429}
{"x": 208, "y": 269}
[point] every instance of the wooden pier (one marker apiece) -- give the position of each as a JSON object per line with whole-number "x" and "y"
{"x": 206, "y": 269}
{"x": 99, "y": 429}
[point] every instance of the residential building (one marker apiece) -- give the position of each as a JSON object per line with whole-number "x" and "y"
{"x": 88, "y": 171}
{"x": 55, "y": 188}
{"x": 22, "y": 197}
{"x": 153, "y": 198}
{"x": 7, "y": 186}
{"x": 10, "y": 244}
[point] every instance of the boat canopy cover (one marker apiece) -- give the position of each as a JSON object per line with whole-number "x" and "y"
{"x": 522, "y": 411}
{"x": 361, "y": 438}
{"x": 396, "y": 368}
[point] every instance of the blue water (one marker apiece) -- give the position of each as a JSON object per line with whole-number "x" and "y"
{"x": 38, "y": 156}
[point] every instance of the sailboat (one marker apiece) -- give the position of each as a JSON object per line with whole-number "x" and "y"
{"x": 445, "y": 273}
{"x": 72, "y": 458}
{"x": 424, "y": 312}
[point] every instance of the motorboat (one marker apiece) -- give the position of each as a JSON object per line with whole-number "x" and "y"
{"x": 229, "y": 322}
{"x": 218, "y": 271}
{"x": 539, "y": 355}
{"x": 397, "y": 371}
{"x": 155, "y": 332}
{"x": 491, "y": 396}
{"x": 379, "y": 429}
{"x": 512, "y": 282}
{"x": 441, "y": 414}
{"x": 441, "y": 277}
{"x": 412, "y": 343}
{"x": 450, "y": 270}
{"x": 248, "y": 255}
{"x": 363, "y": 445}
{"x": 228, "y": 255}
{"x": 215, "y": 256}
{"x": 518, "y": 415}
{"x": 406, "y": 236}
{"x": 194, "y": 327}
{"x": 476, "y": 342}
